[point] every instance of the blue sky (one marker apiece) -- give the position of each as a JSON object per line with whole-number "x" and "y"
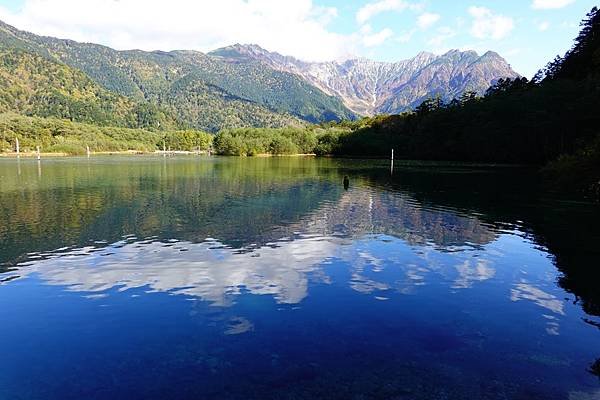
{"x": 528, "y": 33}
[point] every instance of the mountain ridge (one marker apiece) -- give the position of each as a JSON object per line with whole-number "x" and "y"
{"x": 219, "y": 94}
{"x": 247, "y": 85}
{"x": 406, "y": 83}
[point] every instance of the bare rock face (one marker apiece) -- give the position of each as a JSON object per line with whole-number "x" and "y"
{"x": 369, "y": 87}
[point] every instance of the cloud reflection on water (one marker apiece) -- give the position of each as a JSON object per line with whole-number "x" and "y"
{"x": 372, "y": 233}
{"x": 217, "y": 274}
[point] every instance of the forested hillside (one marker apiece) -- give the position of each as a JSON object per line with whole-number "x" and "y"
{"x": 202, "y": 91}
{"x": 32, "y": 85}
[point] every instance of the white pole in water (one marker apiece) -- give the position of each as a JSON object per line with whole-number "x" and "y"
{"x": 392, "y": 154}
{"x": 87, "y": 151}
{"x": 18, "y": 148}
{"x": 164, "y": 149}
{"x": 38, "y": 153}
{"x": 392, "y": 164}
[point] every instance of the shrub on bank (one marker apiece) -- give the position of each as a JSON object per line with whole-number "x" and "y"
{"x": 579, "y": 171}
{"x": 280, "y": 141}
{"x": 63, "y": 136}
{"x": 254, "y": 141}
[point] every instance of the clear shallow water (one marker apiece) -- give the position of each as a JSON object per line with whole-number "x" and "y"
{"x": 224, "y": 278}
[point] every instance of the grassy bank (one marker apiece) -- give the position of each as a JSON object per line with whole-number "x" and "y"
{"x": 63, "y": 136}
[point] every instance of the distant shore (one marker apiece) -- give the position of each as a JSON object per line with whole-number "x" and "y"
{"x": 34, "y": 154}
{"x": 30, "y": 154}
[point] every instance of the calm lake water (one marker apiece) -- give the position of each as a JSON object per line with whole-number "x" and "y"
{"x": 225, "y": 278}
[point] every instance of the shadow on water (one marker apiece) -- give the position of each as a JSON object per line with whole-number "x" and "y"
{"x": 508, "y": 198}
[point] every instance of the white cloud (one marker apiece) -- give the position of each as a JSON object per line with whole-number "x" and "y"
{"x": 426, "y": 20}
{"x": 405, "y": 37}
{"x": 370, "y": 10}
{"x": 324, "y": 14}
{"x": 297, "y": 28}
{"x": 486, "y": 24}
{"x": 437, "y": 42}
{"x": 373, "y": 39}
{"x": 512, "y": 52}
{"x": 550, "y": 4}
{"x": 543, "y": 26}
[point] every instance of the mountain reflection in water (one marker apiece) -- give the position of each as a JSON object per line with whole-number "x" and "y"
{"x": 213, "y": 271}
{"x": 439, "y": 281}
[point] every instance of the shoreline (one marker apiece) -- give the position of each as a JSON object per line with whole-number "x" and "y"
{"x": 34, "y": 154}
{"x": 397, "y": 162}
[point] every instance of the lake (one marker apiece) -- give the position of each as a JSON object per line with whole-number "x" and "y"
{"x": 266, "y": 278}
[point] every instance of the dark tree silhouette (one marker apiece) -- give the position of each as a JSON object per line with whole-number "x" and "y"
{"x": 584, "y": 57}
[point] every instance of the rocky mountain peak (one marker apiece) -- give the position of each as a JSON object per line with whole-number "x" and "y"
{"x": 364, "y": 86}
{"x": 368, "y": 87}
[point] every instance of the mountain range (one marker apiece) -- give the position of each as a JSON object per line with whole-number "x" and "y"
{"x": 370, "y": 87}
{"x": 235, "y": 86}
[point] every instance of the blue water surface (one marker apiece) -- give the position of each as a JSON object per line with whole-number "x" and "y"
{"x": 225, "y": 278}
